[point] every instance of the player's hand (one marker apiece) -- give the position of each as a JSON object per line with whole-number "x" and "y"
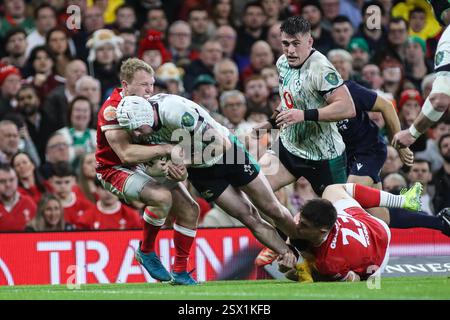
{"x": 177, "y": 172}
{"x": 407, "y": 156}
{"x": 158, "y": 167}
{"x": 403, "y": 139}
{"x": 286, "y": 261}
{"x": 288, "y": 117}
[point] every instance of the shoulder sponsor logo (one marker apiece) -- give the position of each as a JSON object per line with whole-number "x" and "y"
{"x": 332, "y": 78}
{"x": 439, "y": 57}
{"x": 109, "y": 113}
{"x": 187, "y": 120}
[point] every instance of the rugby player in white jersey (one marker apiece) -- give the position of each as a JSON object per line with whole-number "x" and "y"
{"x": 438, "y": 102}
{"x": 219, "y": 167}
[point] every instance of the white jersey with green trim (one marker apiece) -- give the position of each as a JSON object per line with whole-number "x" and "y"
{"x": 442, "y": 56}
{"x": 306, "y": 88}
{"x": 181, "y": 119}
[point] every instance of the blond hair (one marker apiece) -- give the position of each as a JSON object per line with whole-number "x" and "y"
{"x": 131, "y": 66}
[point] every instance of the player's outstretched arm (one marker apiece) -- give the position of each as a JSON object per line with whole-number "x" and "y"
{"x": 129, "y": 153}
{"x": 390, "y": 117}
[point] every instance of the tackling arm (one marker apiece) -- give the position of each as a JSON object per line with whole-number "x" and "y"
{"x": 129, "y": 153}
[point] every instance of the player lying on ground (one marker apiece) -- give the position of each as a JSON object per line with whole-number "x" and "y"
{"x": 341, "y": 240}
{"x": 219, "y": 167}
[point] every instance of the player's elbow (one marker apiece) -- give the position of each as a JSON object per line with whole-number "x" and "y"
{"x": 350, "y": 109}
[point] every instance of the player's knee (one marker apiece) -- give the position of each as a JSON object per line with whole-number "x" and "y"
{"x": 157, "y": 198}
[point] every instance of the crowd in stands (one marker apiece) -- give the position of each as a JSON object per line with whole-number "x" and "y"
{"x": 56, "y": 72}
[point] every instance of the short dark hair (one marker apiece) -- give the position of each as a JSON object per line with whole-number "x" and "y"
{"x": 340, "y": 19}
{"x": 417, "y": 10}
{"x": 320, "y": 212}
{"x": 124, "y": 6}
{"x": 423, "y": 161}
{"x": 445, "y": 136}
{"x": 314, "y": 3}
{"x": 44, "y": 6}
{"x": 294, "y": 25}
{"x": 253, "y": 4}
{"x": 62, "y": 169}
{"x": 12, "y": 32}
{"x": 197, "y": 8}
{"x": 5, "y": 167}
{"x": 397, "y": 20}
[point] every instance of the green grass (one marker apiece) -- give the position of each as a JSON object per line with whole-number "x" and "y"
{"x": 391, "y": 288}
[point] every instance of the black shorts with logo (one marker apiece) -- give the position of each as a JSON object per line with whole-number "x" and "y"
{"x": 237, "y": 168}
{"x": 319, "y": 173}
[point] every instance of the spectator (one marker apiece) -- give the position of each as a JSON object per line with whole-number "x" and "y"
{"x": 343, "y": 62}
{"x": 58, "y": 43}
{"x": 359, "y": 49}
{"x": 103, "y": 59}
{"x": 416, "y": 64}
{"x": 45, "y": 20}
{"x": 394, "y": 182}
{"x": 234, "y": 108}
{"x": 89, "y": 87}
{"x": 257, "y": 95}
{"x": 152, "y": 50}
{"x": 374, "y": 35}
{"x": 393, "y": 163}
{"x": 87, "y": 176}
{"x": 156, "y": 20}
{"x": 171, "y": 76}
{"x": 272, "y": 10}
{"x": 15, "y": 16}
{"x": 226, "y": 74}
{"x": 351, "y": 9}
{"x": 57, "y": 103}
{"x": 222, "y": 13}
{"x": 432, "y": 153}
{"x": 274, "y": 40}
{"x": 41, "y": 66}
{"x": 49, "y": 216}
{"x": 9, "y": 140}
{"x": 201, "y": 27}
{"x": 392, "y": 72}
{"x": 226, "y": 35}
{"x": 35, "y": 119}
{"x": 57, "y": 150}
{"x": 252, "y": 29}
{"x": 15, "y": 46}
{"x": 129, "y": 43}
{"x": 205, "y": 94}
{"x": 312, "y": 12}
{"x": 80, "y": 137}
{"x": 270, "y": 75}
{"x": 409, "y": 107}
{"x": 110, "y": 214}
{"x": 30, "y": 182}
{"x": 397, "y": 37}
{"x": 9, "y": 86}
{"x": 210, "y": 55}
{"x": 341, "y": 32}
{"x": 372, "y": 75}
{"x": 261, "y": 56}
{"x": 442, "y": 176}
{"x": 62, "y": 182}
{"x": 421, "y": 172}
{"x": 16, "y": 210}
{"x": 330, "y": 11}
{"x": 125, "y": 17}
{"x": 179, "y": 40}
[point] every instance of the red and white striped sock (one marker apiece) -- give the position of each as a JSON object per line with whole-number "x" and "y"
{"x": 152, "y": 225}
{"x": 183, "y": 239}
{"x": 369, "y": 197}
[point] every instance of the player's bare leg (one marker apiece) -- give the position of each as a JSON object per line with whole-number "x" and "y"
{"x": 233, "y": 202}
{"x": 281, "y": 177}
{"x": 158, "y": 201}
{"x": 186, "y": 212}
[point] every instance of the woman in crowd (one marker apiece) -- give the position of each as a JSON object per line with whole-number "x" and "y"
{"x": 58, "y": 43}
{"x": 30, "y": 182}
{"x": 49, "y": 216}
{"x": 87, "y": 175}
